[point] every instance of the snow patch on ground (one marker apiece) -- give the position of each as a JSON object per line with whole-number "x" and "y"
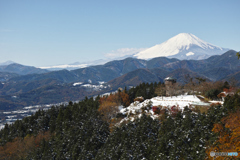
{"x": 2, "y": 126}
{"x": 101, "y": 82}
{"x": 136, "y": 108}
{"x": 95, "y": 87}
{"x": 98, "y": 86}
{"x": 220, "y": 102}
{"x": 89, "y": 81}
{"x": 182, "y": 101}
{"x": 77, "y": 83}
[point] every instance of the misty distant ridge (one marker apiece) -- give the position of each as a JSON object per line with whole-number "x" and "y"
{"x": 33, "y": 87}
{"x": 6, "y": 63}
{"x": 20, "y": 69}
{"x": 184, "y": 46}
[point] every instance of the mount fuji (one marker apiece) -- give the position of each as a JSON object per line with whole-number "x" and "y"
{"x": 182, "y": 46}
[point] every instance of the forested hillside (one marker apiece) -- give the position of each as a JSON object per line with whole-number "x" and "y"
{"x": 90, "y": 129}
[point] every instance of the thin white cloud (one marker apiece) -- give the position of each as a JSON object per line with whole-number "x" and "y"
{"x": 122, "y": 52}
{"x": 66, "y": 66}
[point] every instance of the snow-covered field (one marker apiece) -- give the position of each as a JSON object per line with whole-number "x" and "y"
{"x": 97, "y": 87}
{"x": 181, "y": 101}
{"x": 136, "y": 108}
{"x": 77, "y": 83}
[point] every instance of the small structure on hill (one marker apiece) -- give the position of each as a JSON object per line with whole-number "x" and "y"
{"x": 140, "y": 99}
{"x": 225, "y": 93}
{"x": 170, "y": 83}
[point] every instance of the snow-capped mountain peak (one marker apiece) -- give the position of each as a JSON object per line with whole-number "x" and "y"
{"x": 182, "y": 46}
{"x": 187, "y": 39}
{"x": 6, "y": 63}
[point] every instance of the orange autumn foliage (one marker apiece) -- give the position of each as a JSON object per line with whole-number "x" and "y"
{"x": 19, "y": 148}
{"x": 109, "y": 107}
{"x": 125, "y": 99}
{"x": 121, "y": 98}
{"x": 231, "y": 89}
{"x": 229, "y": 136}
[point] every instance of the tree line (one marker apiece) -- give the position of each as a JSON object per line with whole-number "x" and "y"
{"x": 86, "y": 130}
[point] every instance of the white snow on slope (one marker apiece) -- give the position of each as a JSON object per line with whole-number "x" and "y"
{"x": 182, "y": 101}
{"x": 101, "y": 82}
{"x": 77, "y": 83}
{"x": 94, "y": 86}
{"x": 98, "y": 86}
{"x": 183, "y": 42}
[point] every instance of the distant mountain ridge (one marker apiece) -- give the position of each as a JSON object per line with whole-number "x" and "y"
{"x": 21, "y": 69}
{"x": 184, "y": 46}
{"x": 57, "y": 86}
{"x": 215, "y": 68}
{"x": 6, "y": 63}
{"x": 114, "y": 69}
{"x": 76, "y": 65}
{"x": 152, "y": 75}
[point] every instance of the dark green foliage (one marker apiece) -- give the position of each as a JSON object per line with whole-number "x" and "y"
{"x": 40, "y": 121}
{"x": 212, "y": 93}
{"x": 184, "y": 136}
{"x": 145, "y": 90}
{"x": 78, "y": 132}
{"x": 135, "y": 140}
{"x": 80, "y": 137}
{"x": 187, "y": 135}
{"x": 232, "y": 102}
{"x": 226, "y": 85}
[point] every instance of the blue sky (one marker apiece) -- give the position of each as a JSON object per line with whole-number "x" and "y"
{"x": 50, "y": 32}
